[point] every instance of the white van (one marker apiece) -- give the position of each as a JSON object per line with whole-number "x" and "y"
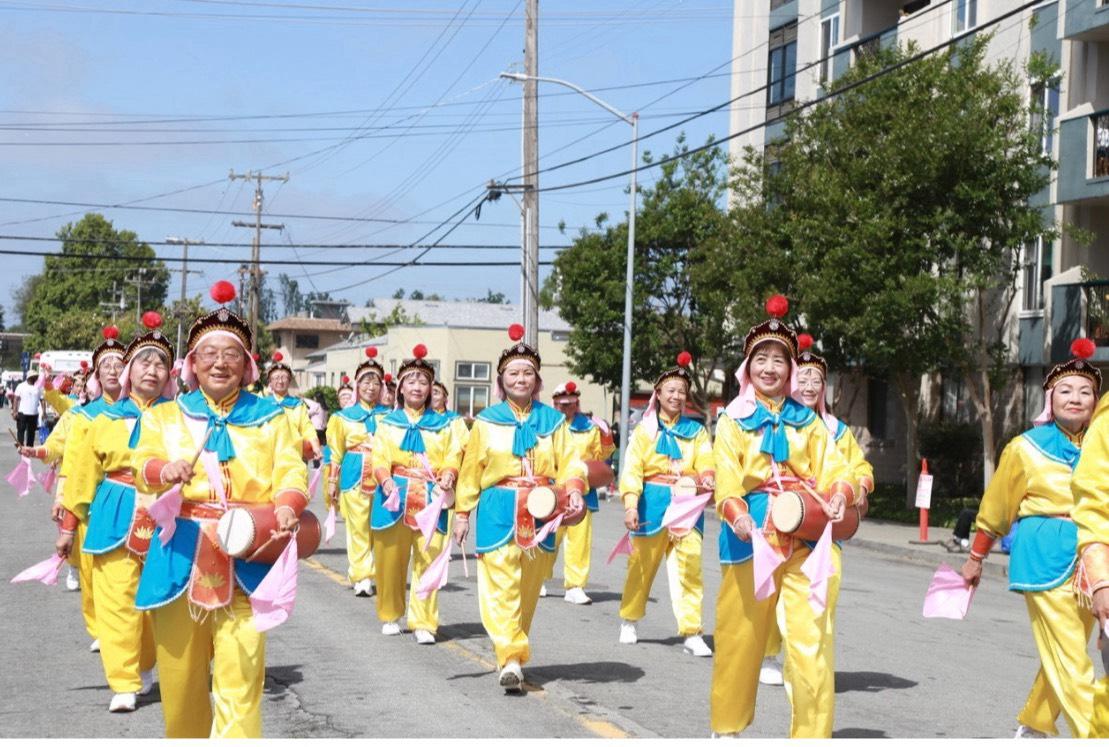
{"x": 62, "y": 361}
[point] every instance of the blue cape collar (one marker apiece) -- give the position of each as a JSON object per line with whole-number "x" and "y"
{"x": 413, "y": 441}
{"x": 1050, "y": 440}
{"x": 541, "y": 421}
{"x": 248, "y": 411}
{"x": 775, "y": 441}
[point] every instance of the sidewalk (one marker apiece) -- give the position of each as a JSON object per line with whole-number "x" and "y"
{"x": 896, "y": 540}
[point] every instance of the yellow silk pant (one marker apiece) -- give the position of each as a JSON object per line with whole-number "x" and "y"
{"x": 508, "y": 582}
{"x": 225, "y": 641}
{"x": 743, "y": 626}
{"x": 683, "y": 570}
{"x": 83, "y": 562}
{"x": 355, "y": 506}
{"x": 1065, "y": 682}
{"x": 126, "y": 634}
{"x": 575, "y": 558}
{"x": 394, "y": 547}
{"x": 774, "y": 640}
{"x": 1100, "y": 725}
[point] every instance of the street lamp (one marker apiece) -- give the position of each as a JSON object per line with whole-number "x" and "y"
{"x": 626, "y": 373}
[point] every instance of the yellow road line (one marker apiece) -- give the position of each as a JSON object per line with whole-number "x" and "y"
{"x": 603, "y": 728}
{"x": 334, "y": 576}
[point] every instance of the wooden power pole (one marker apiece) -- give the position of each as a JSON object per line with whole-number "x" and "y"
{"x": 255, "y": 254}
{"x": 530, "y": 300}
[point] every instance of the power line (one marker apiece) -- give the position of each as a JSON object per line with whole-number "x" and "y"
{"x": 240, "y": 245}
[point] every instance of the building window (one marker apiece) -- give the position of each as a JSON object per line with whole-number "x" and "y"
{"x": 471, "y": 371}
{"x": 966, "y": 15}
{"x": 1101, "y": 140}
{"x": 560, "y": 336}
{"x": 829, "y": 38}
{"x": 877, "y": 394}
{"x": 1045, "y": 110}
{"x": 1035, "y": 269}
{"x": 782, "y": 66}
{"x": 308, "y": 341}
{"x": 470, "y": 399}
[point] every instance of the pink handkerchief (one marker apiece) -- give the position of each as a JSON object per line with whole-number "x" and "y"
{"x": 329, "y": 525}
{"x": 428, "y": 516}
{"x": 22, "y": 477}
{"x": 623, "y": 547}
{"x": 602, "y": 425}
{"x": 392, "y": 502}
{"x": 46, "y": 571}
{"x": 683, "y": 511}
{"x": 766, "y": 560}
{"x": 273, "y": 599}
{"x": 948, "y": 595}
{"x": 49, "y": 480}
{"x": 819, "y": 568}
{"x": 165, "y": 510}
{"x": 314, "y": 482}
{"x": 435, "y": 577}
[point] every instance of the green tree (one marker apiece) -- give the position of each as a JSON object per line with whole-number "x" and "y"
{"x": 292, "y": 300}
{"x": 492, "y": 296}
{"x": 330, "y": 396}
{"x": 397, "y": 317}
{"x": 904, "y": 203}
{"x": 60, "y": 307}
{"x": 677, "y": 306}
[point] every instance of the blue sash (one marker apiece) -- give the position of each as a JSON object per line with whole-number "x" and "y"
{"x": 110, "y": 515}
{"x": 652, "y": 507}
{"x": 1044, "y": 553}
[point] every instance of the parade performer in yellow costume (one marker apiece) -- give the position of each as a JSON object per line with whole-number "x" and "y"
{"x": 416, "y": 453}
{"x": 278, "y": 379}
{"x": 351, "y": 478}
{"x": 516, "y": 447}
{"x": 593, "y": 445}
{"x": 439, "y": 400}
{"x": 103, "y": 388}
{"x": 665, "y": 447}
{"x": 767, "y": 442}
{"x": 1091, "y": 517}
{"x": 248, "y": 456}
{"x": 1032, "y": 486}
{"x": 812, "y": 378}
{"x": 100, "y": 488}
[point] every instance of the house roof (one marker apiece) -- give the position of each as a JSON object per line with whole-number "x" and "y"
{"x": 307, "y": 324}
{"x": 464, "y": 314}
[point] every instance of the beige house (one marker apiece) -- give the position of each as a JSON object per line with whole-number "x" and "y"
{"x": 297, "y": 336}
{"x": 464, "y": 340}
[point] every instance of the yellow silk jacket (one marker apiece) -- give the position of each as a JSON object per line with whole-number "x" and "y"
{"x": 443, "y": 448}
{"x": 1091, "y": 496}
{"x": 642, "y": 460}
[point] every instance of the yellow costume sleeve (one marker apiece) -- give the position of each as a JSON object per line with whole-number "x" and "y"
{"x": 862, "y": 473}
{"x": 570, "y": 465}
{"x": 631, "y": 474}
{"x": 703, "y": 461}
{"x": 473, "y": 467}
{"x": 57, "y": 400}
{"x": 74, "y": 444}
{"x": 87, "y": 470}
{"x": 383, "y": 457}
{"x": 728, "y": 450}
{"x": 1008, "y": 487}
{"x": 55, "y": 442}
{"x": 1090, "y": 488}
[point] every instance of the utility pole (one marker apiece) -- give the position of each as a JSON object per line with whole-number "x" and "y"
{"x": 184, "y": 281}
{"x": 139, "y": 281}
{"x": 530, "y": 301}
{"x": 256, "y": 271}
{"x": 114, "y": 306}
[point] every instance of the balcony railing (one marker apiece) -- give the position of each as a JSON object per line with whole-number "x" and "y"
{"x": 1100, "y": 144}
{"x": 1096, "y": 297}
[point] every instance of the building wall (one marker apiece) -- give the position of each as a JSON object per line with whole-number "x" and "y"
{"x": 448, "y": 346}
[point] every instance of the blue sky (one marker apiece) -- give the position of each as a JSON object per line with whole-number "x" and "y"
{"x": 409, "y": 89}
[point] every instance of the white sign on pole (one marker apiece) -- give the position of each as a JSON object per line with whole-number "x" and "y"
{"x": 924, "y": 492}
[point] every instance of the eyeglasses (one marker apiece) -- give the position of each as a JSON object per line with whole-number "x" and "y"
{"x": 112, "y": 365}
{"x": 211, "y": 355}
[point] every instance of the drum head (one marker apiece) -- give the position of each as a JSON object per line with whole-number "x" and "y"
{"x": 685, "y": 486}
{"x": 541, "y": 502}
{"x": 235, "y": 532}
{"x": 787, "y": 511}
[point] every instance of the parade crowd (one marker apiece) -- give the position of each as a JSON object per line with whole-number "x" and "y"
{"x": 181, "y": 495}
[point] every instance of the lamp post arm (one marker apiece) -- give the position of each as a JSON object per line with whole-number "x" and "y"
{"x": 520, "y": 77}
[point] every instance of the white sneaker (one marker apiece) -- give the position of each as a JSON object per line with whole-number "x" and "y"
{"x": 577, "y": 595}
{"x": 771, "y": 672}
{"x": 390, "y": 628}
{"x": 147, "y": 682}
{"x": 628, "y": 633}
{"x": 512, "y": 676}
{"x": 363, "y": 588}
{"x": 543, "y": 590}
{"x": 1027, "y": 732}
{"x": 72, "y": 583}
{"x": 95, "y": 645}
{"x": 122, "y": 703}
{"x": 423, "y": 637}
{"x": 696, "y": 645}
{"x": 725, "y": 735}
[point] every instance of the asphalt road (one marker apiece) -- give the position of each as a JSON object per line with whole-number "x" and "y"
{"x": 332, "y": 674}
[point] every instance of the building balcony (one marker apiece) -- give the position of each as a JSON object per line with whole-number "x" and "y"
{"x": 847, "y": 53}
{"x": 1084, "y": 158}
{"x": 1087, "y": 20}
{"x": 1078, "y": 310}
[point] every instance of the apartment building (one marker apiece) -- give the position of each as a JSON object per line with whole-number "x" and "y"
{"x": 788, "y": 51}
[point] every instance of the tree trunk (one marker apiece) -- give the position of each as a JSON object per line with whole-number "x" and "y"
{"x": 908, "y": 390}
{"x": 981, "y": 394}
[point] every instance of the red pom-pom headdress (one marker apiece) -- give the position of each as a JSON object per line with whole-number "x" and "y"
{"x": 1082, "y": 349}
{"x": 109, "y": 347}
{"x": 567, "y": 389}
{"x": 774, "y": 329}
{"x": 370, "y": 365}
{"x": 684, "y": 359}
{"x": 153, "y": 338}
{"x": 277, "y": 363}
{"x": 518, "y": 351}
{"x": 222, "y": 320}
{"x": 222, "y": 292}
{"x": 808, "y": 357}
{"x": 417, "y": 364}
{"x": 777, "y": 306}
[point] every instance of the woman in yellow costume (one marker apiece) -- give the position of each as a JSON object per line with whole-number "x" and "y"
{"x": 515, "y": 447}
{"x": 1091, "y": 517}
{"x": 767, "y": 442}
{"x": 416, "y": 454}
{"x": 439, "y": 401}
{"x": 211, "y": 655}
{"x": 278, "y": 379}
{"x": 1032, "y": 486}
{"x": 100, "y": 487}
{"x": 665, "y": 447}
{"x": 812, "y": 380}
{"x": 593, "y": 445}
{"x": 351, "y": 481}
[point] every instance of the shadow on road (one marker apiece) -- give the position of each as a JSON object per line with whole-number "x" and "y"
{"x": 461, "y": 631}
{"x": 330, "y": 551}
{"x": 870, "y": 682}
{"x": 591, "y": 672}
{"x": 280, "y": 679}
{"x": 860, "y": 734}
